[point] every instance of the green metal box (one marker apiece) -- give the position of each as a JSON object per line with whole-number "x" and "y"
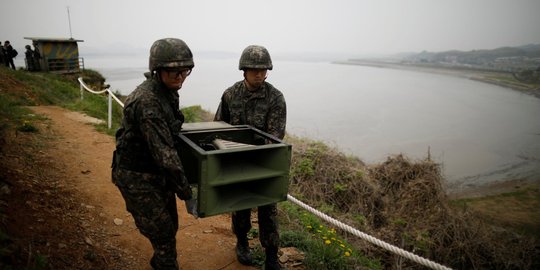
{"x": 253, "y": 173}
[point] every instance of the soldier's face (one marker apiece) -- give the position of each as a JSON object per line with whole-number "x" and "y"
{"x": 255, "y": 77}
{"x": 174, "y": 78}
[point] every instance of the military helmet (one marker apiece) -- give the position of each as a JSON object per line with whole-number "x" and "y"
{"x": 255, "y": 56}
{"x": 170, "y": 53}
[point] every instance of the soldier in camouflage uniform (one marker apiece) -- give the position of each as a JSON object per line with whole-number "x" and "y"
{"x": 257, "y": 103}
{"x": 29, "y": 54}
{"x": 146, "y": 165}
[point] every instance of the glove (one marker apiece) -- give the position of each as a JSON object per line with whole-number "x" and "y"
{"x": 184, "y": 193}
{"x": 183, "y": 190}
{"x": 191, "y": 207}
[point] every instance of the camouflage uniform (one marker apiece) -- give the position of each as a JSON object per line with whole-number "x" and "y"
{"x": 147, "y": 169}
{"x": 8, "y": 55}
{"x": 2, "y": 53}
{"x": 37, "y": 58}
{"x": 264, "y": 109}
{"x": 29, "y": 54}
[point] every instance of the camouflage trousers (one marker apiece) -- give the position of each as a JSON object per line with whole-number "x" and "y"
{"x": 153, "y": 208}
{"x": 268, "y": 225}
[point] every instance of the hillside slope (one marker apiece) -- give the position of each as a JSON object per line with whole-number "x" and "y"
{"x": 63, "y": 206}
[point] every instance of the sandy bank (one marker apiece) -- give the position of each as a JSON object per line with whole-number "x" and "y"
{"x": 503, "y": 79}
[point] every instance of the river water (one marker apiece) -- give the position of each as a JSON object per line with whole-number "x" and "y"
{"x": 480, "y": 133}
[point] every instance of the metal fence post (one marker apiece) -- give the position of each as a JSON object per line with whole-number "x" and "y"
{"x": 111, "y": 96}
{"x": 110, "y": 108}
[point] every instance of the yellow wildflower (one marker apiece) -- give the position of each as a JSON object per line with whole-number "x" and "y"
{"x": 327, "y": 242}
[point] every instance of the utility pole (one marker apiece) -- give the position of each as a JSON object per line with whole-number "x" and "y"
{"x": 69, "y": 20}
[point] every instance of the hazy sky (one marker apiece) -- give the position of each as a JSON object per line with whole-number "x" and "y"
{"x": 355, "y": 27}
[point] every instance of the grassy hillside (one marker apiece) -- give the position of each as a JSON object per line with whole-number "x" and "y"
{"x": 399, "y": 201}
{"x": 21, "y": 88}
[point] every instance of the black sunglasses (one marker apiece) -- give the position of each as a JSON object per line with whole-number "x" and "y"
{"x": 177, "y": 72}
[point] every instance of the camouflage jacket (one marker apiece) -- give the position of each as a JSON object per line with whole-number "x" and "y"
{"x": 145, "y": 141}
{"x": 264, "y": 109}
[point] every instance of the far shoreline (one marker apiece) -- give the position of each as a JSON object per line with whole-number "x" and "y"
{"x": 491, "y": 77}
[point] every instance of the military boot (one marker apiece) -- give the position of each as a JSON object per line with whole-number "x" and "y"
{"x": 243, "y": 252}
{"x": 271, "y": 262}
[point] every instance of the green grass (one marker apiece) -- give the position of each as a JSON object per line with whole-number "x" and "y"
{"x": 325, "y": 249}
{"x": 10, "y": 111}
{"x": 47, "y": 88}
{"x": 97, "y": 106}
{"x": 195, "y": 114}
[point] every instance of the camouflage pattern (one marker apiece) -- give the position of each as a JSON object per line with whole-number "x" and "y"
{"x": 8, "y": 55}
{"x": 153, "y": 207}
{"x": 264, "y": 109}
{"x": 268, "y": 225}
{"x": 2, "y": 62}
{"x": 170, "y": 53}
{"x": 256, "y": 57}
{"x": 37, "y": 58}
{"x": 29, "y": 57}
{"x": 147, "y": 168}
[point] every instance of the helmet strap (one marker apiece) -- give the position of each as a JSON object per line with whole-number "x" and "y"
{"x": 157, "y": 74}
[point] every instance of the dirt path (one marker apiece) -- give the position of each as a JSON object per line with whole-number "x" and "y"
{"x": 72, "y": 166}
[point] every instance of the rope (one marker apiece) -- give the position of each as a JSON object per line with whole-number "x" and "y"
{"x": 115, "y": 98}
{"x": 369, "y": 238}
{"x": 80, "y": 79}
{"x": 89, "y": 89}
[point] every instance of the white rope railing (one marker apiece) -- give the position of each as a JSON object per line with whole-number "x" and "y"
{"x": 110, "y": 94}
{"x": 369, "y": 238}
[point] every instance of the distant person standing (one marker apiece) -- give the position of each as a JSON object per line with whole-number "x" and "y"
{"x": 257, "y": 103}
{"x": 9, "y": 54}
{"x": 37, "y": 58}
{"x": 2, "y": 54}
{"x": 29, "y": 54}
